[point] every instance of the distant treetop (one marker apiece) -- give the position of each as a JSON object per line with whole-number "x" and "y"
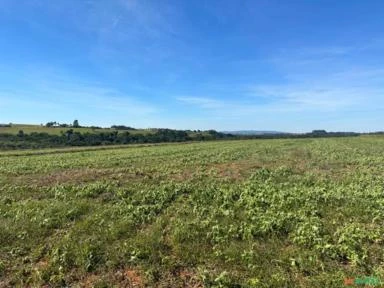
{"x": 122, "y": 127}
{"x": 319, "y": 132}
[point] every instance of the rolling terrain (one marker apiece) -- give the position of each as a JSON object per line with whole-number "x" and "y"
{"x": 30, "y": 128}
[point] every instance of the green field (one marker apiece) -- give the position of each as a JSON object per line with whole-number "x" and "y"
{"x": 255, "y": 213}
{"x": 15, "y": 128}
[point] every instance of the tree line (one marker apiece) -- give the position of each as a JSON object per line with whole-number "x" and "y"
{"x": 128, "y": 135}
{"x": 71, "y": 137}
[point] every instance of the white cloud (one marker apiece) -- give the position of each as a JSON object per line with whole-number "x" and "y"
{"x": 350, "y": 90}
{"x": 326, "y": 78}
{"x": 317, "y": 98}
{"x": 127, "y": 19}
{"x": 55, "y": 92}
{"x": 202, "y": 102}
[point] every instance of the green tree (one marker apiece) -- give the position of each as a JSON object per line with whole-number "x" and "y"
{"x": 51, "y": 124}
{"x": 20, "y": 133}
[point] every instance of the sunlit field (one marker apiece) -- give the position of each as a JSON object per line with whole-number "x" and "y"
{"x": 255, "y": 213}
{"x": 15, "y": 128}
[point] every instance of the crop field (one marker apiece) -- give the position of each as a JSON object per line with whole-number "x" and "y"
{"x": 250, "y": 213}
{"x": 15, "y": 128}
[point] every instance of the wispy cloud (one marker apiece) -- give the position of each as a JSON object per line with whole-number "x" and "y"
{"x": 316, "y": 98}
{"x": 322, "y": 56}
{"x": 325, "y": 78}
{"x": 63, "y": 95}
{"x": 350, "y": 90}
{"x": 129, "y": 20}
{"x": 129, "y": 35}
{"x": 202, "y": 102}
{"x": 322, "y": 51}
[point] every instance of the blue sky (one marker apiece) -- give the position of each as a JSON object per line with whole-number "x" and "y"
{"x": 228, "y": 65}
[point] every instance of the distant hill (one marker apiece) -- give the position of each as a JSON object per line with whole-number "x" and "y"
{"x": 253, "y": 132}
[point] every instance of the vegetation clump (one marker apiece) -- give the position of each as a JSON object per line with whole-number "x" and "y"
{"x": 274, "y": 213}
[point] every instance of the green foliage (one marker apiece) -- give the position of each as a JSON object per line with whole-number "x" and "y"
{"x": 53, "y": 136}
{"x": 277, "y": 213}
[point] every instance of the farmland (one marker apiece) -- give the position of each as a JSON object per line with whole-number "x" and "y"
{"x": 28, "y": 128}
{"x": 17, "y": 137}
{"x": 246, "y": 213}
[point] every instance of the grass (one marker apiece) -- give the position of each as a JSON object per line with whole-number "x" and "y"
{"x": 254, "y": 213}
{"x": 15, "y": 128}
